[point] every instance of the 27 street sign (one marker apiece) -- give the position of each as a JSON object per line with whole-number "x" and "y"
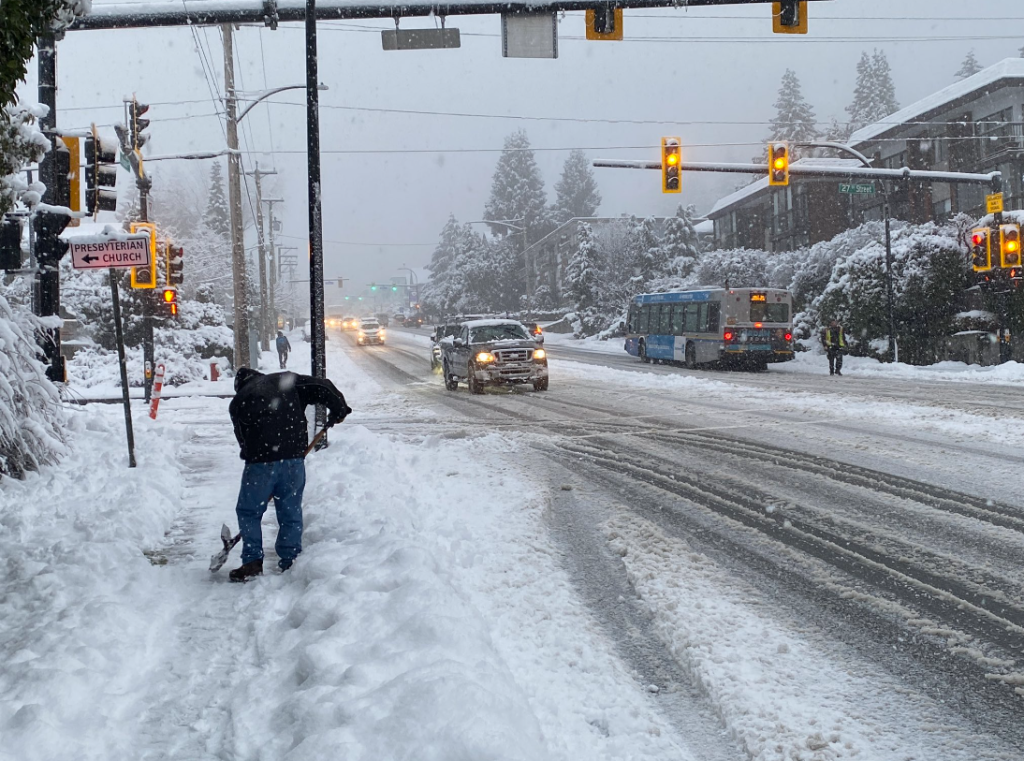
{"x": 857, "y": 189}
{"x": 103, "y": 252}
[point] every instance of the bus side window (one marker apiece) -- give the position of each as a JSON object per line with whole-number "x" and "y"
{"x": 632, "y": 319}
{"x": 642, "y": 322}
{"x": 714, "y": 310}
{"x": 692, "y": 313}
{"x": 702, "y": 318}
{"x": 677, "y": 319}
{"x": 666, "y": 320}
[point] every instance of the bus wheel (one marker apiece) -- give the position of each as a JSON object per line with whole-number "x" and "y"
{"x": 691, "y": 357}
{"x": 643, "y": 352}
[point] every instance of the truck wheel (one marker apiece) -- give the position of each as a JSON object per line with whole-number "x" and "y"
{"x": 450, "y": 383}
{"x": 541, "y": 385}
{"x": 643, "y": 352}
{"x": 475, "y": 386}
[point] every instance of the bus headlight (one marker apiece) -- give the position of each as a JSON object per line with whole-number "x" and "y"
{"x": 484, "y": 357}
{"x": 540, "y": 354}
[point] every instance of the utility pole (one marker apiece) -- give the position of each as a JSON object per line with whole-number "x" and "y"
{"x": 272, "y": 262}
{"x": 262, "y": 253}
{"x": 241, "y": 297}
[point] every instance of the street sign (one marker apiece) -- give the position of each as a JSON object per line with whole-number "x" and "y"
{"x": 994, "y": 203}
{"x": 103, "y": 252}
{"x": 857, "y": 189}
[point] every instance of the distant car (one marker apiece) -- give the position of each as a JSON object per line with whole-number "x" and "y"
{"x": 349, "y": 323}
{"x": 533, "y": 329}
{"x": 492, "y": 353}
{"x": 370, "y": 332}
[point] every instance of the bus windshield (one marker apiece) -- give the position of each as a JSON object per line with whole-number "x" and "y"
{"x": 764, "y": 312}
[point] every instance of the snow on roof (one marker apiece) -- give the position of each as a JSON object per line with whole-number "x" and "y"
{"x": 1009, "y": 68}
{"x": 706, "y": 227}
{"x": 489, "y": 323}
{"x": 762, "y": 184}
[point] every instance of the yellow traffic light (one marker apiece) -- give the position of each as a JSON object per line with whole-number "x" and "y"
{"x": 604, "y": 23}
{"x": 671, "y": 160}
{"x": 1009, "y": 245}
{"x": 981, "y": 249}
{"x": 778, "y": 163}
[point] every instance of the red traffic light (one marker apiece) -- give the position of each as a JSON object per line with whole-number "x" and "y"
{"x": 977, "y": 239}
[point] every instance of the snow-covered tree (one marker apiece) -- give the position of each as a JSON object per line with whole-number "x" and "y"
{"x": 874, "y": 96}
{"x": 836, "y": 131}
{"x": 680, "y": 242}
{"x": 576, "y": 190}
{"x": 31, "y": 415}
{"x": 446, "y": 284}
{"x": 517, "y": 192}
{"x": 969, "y": 67}
{"x": 647, "y": 255}
{"x": 217, "y": 216}
{"x": 794, "y": 117}
{"x": 583, "y": 271}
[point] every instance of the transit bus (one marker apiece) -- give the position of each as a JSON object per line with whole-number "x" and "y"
{"x": 748, "y": 327}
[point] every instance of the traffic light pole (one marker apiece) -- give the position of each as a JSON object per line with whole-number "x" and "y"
{"x": 316, "y": 241}
{"x": 148, "y": 348}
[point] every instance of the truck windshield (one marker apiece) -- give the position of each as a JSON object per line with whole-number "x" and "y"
{"x": 487, "y": 333}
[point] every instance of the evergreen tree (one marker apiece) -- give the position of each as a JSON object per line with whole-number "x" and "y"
{"x": 681, "y": 245}
{"x": 836, "y": 132}
{"x": 583, "y": 271}
{"x": 969, "y": 67}
{"x": 577, "y": 194}
{"x": 218, "y": 217}
{"x": 647, "y": 254}
{"x": 445, "y": 287}
{"x": 794, "y": 117}
{"x": 517, "y": 192}
{"x": 874, "y": 96}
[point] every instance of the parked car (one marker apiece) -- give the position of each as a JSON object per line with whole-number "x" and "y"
{"x": 493, "y": 353}
{"x": 370, "y": 332}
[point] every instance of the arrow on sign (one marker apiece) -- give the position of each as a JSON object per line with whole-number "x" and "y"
{"x": 90, "y": 258}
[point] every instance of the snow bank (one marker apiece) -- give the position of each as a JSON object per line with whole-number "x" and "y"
{"x": 814, "y": 363}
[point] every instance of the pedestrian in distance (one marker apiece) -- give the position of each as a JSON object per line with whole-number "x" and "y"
{"x": 833, "y": 338}
{"x": 283, "y": 347}
{"x": 269, "y": 417}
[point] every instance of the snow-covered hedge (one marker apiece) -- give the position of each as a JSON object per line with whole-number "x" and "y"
{"x": 31, "y": 415}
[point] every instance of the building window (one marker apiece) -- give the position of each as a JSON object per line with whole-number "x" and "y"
{"x": 995, "y": 132}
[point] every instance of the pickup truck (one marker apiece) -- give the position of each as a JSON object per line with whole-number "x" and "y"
{"x": 485, "y": 353}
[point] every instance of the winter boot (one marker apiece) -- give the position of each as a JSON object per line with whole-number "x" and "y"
{"x": 284, "y": 564}
{"x": 247, "y": 571}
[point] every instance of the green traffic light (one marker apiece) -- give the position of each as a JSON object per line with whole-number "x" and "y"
{"x": 394, "y": 287}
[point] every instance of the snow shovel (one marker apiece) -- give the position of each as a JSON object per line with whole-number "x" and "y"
{"x": 218, "y": 560}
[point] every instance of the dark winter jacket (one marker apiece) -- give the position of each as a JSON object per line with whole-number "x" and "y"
{"x": 269, "y": 412}
{"x": 282, "y": 344}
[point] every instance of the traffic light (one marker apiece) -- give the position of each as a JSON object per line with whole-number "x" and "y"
{"x": 170, "y": 297}
{"x": 789, "y": 17}
{"x": 10, "y": 244}
{"x": 136, "y": 124}
{"x": 145, "y": 277}
{"x": 671, "y": 158}
{"x": 100, "y": 174}
{"x": 373, "y": 287}
{"x": 604, "y": 23}
{"x": 981, "y": 249}
{"x": 778, "y": 164}
{"x": 394, "y": 288}
{"x": 175, "y": 264}
{"x": 1009, "y": 246}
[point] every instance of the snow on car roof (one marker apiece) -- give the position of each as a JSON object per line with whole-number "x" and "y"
{"x": 490, "y": 323}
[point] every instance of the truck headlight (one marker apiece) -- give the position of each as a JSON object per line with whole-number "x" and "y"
{"x": 484, "y": 357}
{"x": 539, "y": 354}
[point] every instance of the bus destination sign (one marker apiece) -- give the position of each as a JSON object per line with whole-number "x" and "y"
{"x": 759, "y": 297}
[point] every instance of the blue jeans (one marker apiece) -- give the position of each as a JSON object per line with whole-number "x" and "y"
{"x": 283, "y": 480}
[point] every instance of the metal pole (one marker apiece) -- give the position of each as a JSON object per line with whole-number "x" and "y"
{"x": 148, "y": 349}
{"x": 241, "y": 296}
{"x": 316, "y": 243}
{"x": 273, "y": 267}
{"x": 119, "y": 336}
{"x": 48, "y": 259}
{"x": 262, "y": 253}
{"x": 894, "y": 355}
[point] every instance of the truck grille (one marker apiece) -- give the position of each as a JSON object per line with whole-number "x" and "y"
{"x": 513, "y": 355}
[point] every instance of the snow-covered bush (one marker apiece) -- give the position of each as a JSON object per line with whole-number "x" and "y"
{"x": 31, "y": 415}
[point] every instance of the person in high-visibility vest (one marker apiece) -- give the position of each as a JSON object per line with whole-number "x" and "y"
{"x": 833, "y": 338}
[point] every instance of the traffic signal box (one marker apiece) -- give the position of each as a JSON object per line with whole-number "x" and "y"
{"x": 789, "y": 17}
{"x": 604, "y": 23}
{"x": 100, "y": 174}
{"x": 981, "y": 249}
{"x": 778, "y": 164}
{"x": 170, "y": 297}
{"x": 175, "y": 264}
{"x": 1009, "y": 246}
{"x": 671, "y": 160}
{"x": 145, "y": 277}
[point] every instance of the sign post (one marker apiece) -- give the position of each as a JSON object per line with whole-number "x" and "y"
{"x": 124, "y": 367}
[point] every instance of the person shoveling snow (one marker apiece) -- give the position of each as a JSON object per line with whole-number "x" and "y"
{"x": 269, "y": 417}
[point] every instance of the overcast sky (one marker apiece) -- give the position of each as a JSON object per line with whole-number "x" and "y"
{"x": 709, "y": 75}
